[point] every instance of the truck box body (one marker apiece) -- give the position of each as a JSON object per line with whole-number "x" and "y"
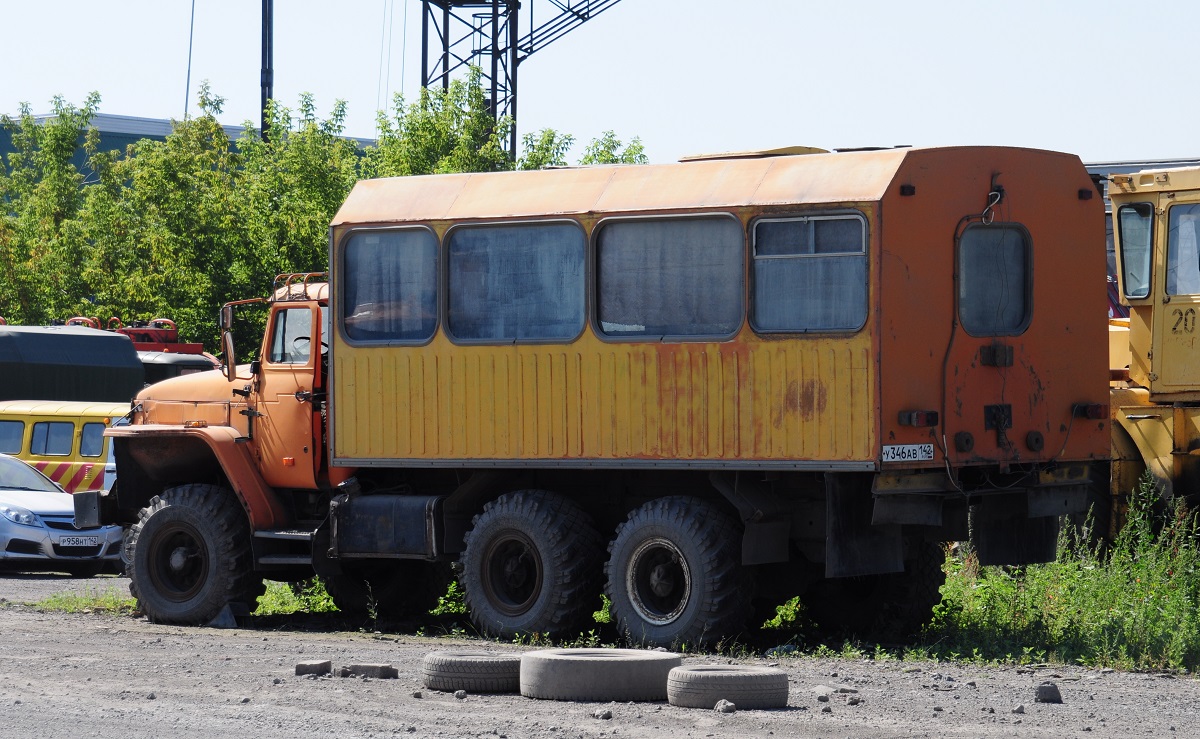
{"x": 826, "y": 400}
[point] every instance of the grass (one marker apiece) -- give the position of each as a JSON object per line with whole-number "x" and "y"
{"x": 90, "y": 600}
{"x": 1132, "y": 604}
{"x": 283, "y": 599}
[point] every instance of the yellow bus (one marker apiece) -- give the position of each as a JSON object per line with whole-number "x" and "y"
{"x": 64, "y": 440}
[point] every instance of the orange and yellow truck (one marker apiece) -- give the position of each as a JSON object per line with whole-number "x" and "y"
{"x": 684, "y": 386}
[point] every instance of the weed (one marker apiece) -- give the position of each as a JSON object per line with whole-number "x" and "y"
{"x": 307, "y": 596}
{"x": 452, "y": 603}
{"x": 604, "y": 615}
{"x": 89, "y": 601}
{"x": 788, "y": 615}
{"x": 1131, "y": 604}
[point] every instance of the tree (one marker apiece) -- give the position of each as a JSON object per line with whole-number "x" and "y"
{"x": 40, "y": 189}
{"x": 608, "y": 149}
{"x": 294, "y": 183}
{"x": 448, "y": 130}
{"x": 546, "y": 148}
{"x": 167, "y": 226}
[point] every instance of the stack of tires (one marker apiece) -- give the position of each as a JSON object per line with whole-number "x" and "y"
{"x": 607, "y": 675}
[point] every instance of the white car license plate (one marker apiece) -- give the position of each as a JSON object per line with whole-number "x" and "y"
{"x": 79, "y": 541}
{"x": 908, "y": 453}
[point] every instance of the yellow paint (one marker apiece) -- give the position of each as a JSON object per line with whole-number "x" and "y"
{"x": 749, "y": 399}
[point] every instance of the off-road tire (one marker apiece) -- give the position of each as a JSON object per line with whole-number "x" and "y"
{"x": 531, "y": 565}
{"x": 473, "y": 671}
{"x": 191, "y": 555}
{"x": 674, "y": 574}
{"x": 596, "y": 674}
{"x": 746, "y": 687}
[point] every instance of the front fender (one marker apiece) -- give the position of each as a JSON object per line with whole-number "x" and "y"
{"x": 151, "y": 458}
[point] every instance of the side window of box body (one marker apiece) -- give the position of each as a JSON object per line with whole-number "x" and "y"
{"x": 810, "y": 274}
{"x": 389, "y": 285}
{"x": 675, "y": 277}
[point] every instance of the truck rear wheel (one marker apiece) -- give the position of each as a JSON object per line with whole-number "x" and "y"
{"x": 675, "y": 576}
{"x": 531, "y": 565}
{"x": 191, "y": 555}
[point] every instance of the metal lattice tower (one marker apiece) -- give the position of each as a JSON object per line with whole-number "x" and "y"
{"x": 457, "y": 34}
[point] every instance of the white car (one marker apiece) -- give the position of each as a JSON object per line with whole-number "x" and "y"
{"x": 37, "y": 527}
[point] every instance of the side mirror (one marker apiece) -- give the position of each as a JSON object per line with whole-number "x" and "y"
{"x": 227, "y": 347}
{"x": 226, "y": 317}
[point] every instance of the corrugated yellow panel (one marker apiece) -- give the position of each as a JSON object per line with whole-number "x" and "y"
{"x": 803, "y": 399}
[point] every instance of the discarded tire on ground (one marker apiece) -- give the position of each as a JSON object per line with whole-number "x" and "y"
{"x": 596, "y": 674}
{"x": 745, "y": 687}
{"x": 476, "y": 672}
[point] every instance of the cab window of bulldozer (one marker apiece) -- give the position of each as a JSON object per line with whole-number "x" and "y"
{"x": 1134, "y": 232}
{"x": 1183, "y": 250}
{"x": 994, "y": 279}
{"x": 291, "y": 338}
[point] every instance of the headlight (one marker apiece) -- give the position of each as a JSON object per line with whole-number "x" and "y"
{"x": 16, "y": 514}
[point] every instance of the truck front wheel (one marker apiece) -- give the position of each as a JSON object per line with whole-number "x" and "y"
{"x": 531, "y": 565}
{"x": 191, "y": 555}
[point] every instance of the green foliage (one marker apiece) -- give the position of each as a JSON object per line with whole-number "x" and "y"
{"x": 41, "y": 195}
{"x": 448, "y": 130}
{"x": 788, "y": 615}
{"x": 545, "y": 148}
{"x": 283, "y": 598}
{"x": 608, "y": 149}
{"x": 453, "y": 603}
{"x": 604, "y": 615}
{"x": 294, "y": 183}
{"x": 91, "y": 600}
{"x": 1134, "y": 605}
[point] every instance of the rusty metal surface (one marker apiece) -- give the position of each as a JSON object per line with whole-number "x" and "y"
{"x": 747, "y": 399}
{"x": 814, "y": 178}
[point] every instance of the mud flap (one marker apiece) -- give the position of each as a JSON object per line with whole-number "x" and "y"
{"x": 1003, "y": 534}
{"x": 853, "y": 546}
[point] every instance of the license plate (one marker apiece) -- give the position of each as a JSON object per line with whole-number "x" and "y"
{"x": 908, "y": 453}
{"x": 79, "y": 541}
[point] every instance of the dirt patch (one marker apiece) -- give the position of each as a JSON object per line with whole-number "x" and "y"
{"x": 124, "y": 677}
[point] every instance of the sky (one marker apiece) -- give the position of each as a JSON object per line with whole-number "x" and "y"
{"x": 1106, "y": 80}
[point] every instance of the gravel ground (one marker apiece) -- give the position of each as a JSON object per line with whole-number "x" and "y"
{"x": 105, "y": 676}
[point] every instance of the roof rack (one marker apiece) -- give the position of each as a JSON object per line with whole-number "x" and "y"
{"x": 295, "y": 286}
